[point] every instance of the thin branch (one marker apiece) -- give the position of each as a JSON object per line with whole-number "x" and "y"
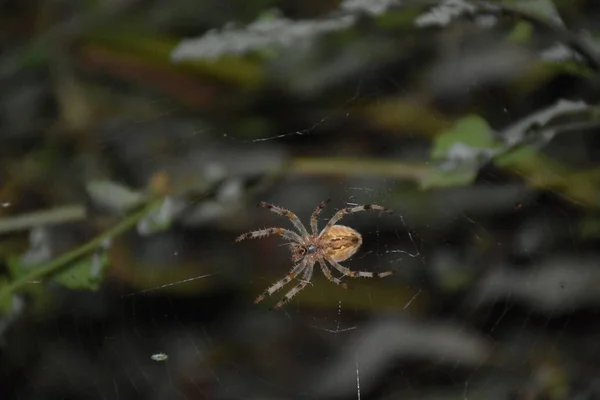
{"x": 359, "y": 166}
{"x": 54, "y": 266}
{"x": 52, "y": 216}
{"x": 569, "y": 38}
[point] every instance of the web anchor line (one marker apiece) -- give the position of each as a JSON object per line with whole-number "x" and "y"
{"x": 170, "y": 284}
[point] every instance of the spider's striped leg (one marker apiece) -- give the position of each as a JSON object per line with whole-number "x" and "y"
{"x": 356, "y": 274}
{"x": 282, "y": 211}
{"x": 349, "y": 210}
{"x": 327, "y": 273}
{"x": 281, "y": 283}
{"x": 261, "y": 233}
{"x": 305, "y": 281}
{"x": 313, "y": 218}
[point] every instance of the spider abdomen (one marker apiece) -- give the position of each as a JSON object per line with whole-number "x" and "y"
{"x": 341, "y": 242}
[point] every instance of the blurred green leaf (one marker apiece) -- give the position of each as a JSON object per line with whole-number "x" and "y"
{"x": 270, "y": 14}
{"x": 471, "y": 131}
{"x": 86, "y": 273}
{"x": 161, "y": 218}
{"x": 521, "y": 33}
{"x": 38, "y": 297}
{"x": 15, "y": 266}
{"x": 398, "y": 19}
{"x": 542, "y": 9}
{"x": 515, "y": 156}
{"x": 114, "y": 196}
{"x": 461, "y": 149}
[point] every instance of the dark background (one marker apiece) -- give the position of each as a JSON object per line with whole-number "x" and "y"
{"x": 138, "y": 136}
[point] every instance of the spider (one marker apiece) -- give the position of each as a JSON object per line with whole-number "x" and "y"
{"x": 334, "y": 244}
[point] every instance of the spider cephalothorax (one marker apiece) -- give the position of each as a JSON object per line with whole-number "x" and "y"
{"x": 299, "y": 251}
{"x": 334, "y": 244}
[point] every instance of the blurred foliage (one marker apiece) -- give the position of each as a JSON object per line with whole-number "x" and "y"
{"x": 136, "y": 135}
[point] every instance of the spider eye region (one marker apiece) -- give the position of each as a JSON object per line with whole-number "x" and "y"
{"x": 311, "y": 248}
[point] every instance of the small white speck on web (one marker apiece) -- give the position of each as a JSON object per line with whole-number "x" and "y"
{"x": 159, "y": 357}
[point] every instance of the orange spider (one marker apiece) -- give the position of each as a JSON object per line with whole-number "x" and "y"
{"x": 334, "y": 244}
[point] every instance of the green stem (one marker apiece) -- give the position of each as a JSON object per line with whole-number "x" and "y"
{"x": 58, "y": 215}
{"x": 348, "y": 166}
{"x": 53, "y": 266}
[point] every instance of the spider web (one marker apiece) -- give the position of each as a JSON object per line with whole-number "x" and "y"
{"x": 391, "y": 243}
{"x": 346, "y": 324}
{"x": 162, "y": 338}
{"x": 336, "y": 321}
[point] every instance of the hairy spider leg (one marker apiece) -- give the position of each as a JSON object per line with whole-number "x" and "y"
{"x": 349, "y": 210}
{"x": 281, "y": 283}
{"x": 313, "y": 218}
{"x": 328, "y": 275}
{"x": 305, "y": 281}
{"x": 292, "y": 217}
{"x": 261, "y": 233}
{"x": 356, "y": 274}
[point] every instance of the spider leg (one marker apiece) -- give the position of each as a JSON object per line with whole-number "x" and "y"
{"x": 281, "y": 283}
{"x": 282, "y": 211}
{"x": 356, "y": 274}
{"x": 313, "y": 218}
{"x": 261, "y": 233}
{"x": 349, "y": 210}
{"x": 307, "y": 274}
{"x": 305, "y": 281}
{"x": 327, "y": 273}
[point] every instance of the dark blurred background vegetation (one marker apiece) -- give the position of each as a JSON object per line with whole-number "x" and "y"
{"x": 138, "y": 135}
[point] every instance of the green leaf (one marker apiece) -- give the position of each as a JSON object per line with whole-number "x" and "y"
{"x": 114, "y": 196}
{"x": 13, "y": 264}
{"x": 86, "y": 273}
{"x": 36, "y": 293}
{"x": 161, "y": 218}
{"x": 521, "y": 33}
{"x": 542, "y": 9}
{"x": 270, "y": 15}
{"x": 515, "y": 156}
{"x": 471, "y": 131}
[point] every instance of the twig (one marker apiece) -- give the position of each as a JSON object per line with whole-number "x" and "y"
{"x": 46, "y": 217}
{"x": 54, "y": 266}
{"x": 569, "y": 38}
{"x": 359, "y": 166}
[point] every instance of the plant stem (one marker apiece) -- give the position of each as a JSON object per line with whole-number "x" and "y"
{"x": 56, "y": 215}
{"x": 347, "y": 166}
{"x": 53, "y": 266}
